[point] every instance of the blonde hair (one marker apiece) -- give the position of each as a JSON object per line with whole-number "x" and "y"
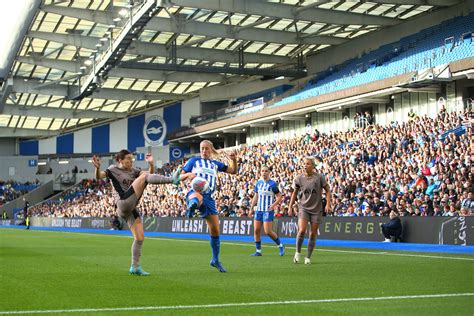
{"x": 214, "y": 151}
{"x": 311, "y": 159}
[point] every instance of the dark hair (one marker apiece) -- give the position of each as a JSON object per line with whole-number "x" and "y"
{"x": 121, "y": 154}
{"x": 268, "y": 167}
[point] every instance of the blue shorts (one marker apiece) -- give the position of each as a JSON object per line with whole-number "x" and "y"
{"x": 264, "y": 216}
{"x": 208, "y": 206}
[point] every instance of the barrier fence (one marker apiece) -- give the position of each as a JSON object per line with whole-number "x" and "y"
{"x": 433, "y": 230}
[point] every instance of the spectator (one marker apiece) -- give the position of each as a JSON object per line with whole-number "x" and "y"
{"x": 392, "y": 230}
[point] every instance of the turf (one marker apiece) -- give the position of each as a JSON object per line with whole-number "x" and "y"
{"x": 64, "y": 271}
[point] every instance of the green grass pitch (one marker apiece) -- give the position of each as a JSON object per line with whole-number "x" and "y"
{"x": 86, "y": 274}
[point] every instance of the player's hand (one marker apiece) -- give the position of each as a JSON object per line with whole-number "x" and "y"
{"x": 149, "y": 158}
{"x": 232, "y": 154}
{"x": 96, "y": 161}
{"x": 328, "y": 209}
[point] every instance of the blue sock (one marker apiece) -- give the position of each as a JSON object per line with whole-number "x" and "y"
{"x": 193, "y": 201}
{"x": 258, "y": 245}
{"x": 215, "y": 246}
{"x": 277, "y": 241}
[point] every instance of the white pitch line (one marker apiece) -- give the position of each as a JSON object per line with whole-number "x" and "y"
{"x": 331, "y": 250}
{"x": 380, "y": 253}
{"x": 209, "y": 306}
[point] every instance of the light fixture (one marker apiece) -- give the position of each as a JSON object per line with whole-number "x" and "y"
{"x": 243, "y": 129}
{"x": 123, "y": 13}
{"x": 42, "y": 163}
{"x": 104, "y": 39}
{"x": 63, "y": 162}
{"x": 83, "y": 68}
{"x": 117, "y": 19}
{"x": 280, "y": 78}
{"x": 98, "y": 45}
{"x": 88, "y": 62}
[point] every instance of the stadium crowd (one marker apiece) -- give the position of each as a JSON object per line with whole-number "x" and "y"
{"x": 418, "y": 168}
{"x": 11, "y": 190}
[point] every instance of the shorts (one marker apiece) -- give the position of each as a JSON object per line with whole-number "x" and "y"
{"x": 126, "y": 208}
{"x": 311, "y": 217}
{"x": 264, "y": 216}
{"x": 208, "y": 206}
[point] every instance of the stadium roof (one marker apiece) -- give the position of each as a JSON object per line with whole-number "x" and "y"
{"x": 79, "y": 63}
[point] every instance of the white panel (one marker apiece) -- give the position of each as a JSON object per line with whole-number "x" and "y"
{"x": 83, "y": 141}
{"x": 158, "y": 112}
{"x": 47, "y": 146}
{"x": 189, "y": 108}
{"x": 118, "y": 135}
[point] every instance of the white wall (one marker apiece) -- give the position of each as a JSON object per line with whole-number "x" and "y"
{"x": 16, "y": 168}
{"x": 47, "y": 146}
{"x": 118, "y": 133}
{"x": 82, "y": 141}
{"x": 8, "y": 146}
{"x": 190, "y": 108}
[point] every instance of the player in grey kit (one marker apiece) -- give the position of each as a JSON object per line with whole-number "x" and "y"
{"x": 310, "y": 206}
{"x": 129, "y": 184}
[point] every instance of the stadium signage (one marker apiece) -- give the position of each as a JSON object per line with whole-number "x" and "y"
{"x": 237, "y": 227}
{"x": 98, "y": 223}
{"x": 188, "y": 226}
{"x": 427, "y": 230}
{"x": 66, "y": 222}
{"x": 154, "y": 130}
{"x": 288, "y": 228}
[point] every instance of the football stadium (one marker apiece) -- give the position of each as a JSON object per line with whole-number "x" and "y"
{"x": 237, "y": 157}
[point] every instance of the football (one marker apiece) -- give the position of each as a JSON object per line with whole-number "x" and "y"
{"x": 199, "y": 184}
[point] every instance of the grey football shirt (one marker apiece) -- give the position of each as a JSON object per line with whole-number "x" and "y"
{"x": 310, "y": 192}
{"x": 121, "y": 180}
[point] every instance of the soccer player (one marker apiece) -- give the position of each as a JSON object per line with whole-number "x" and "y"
{"x": 265, "y": 192}
{"x": 310, "y": 206}
{"x": 206, "y": 167}
{"x": 129, "y": 183}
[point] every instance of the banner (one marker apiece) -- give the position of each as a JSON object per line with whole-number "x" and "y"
{"x": 425, "y": 230}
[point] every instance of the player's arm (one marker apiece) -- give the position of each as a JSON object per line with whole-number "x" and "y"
{"x": 254, "y": 202}
{"x": 186, "y": 173}
{"x": 187, "y": 176}
{"x": 151, "y": 164}
{"x": 98, "y": 173}
{"x": 294, "y": 195}
{"x": 277, "y": 202}
{"x": 328, "y": 199}
{"x": 232, "y": 167}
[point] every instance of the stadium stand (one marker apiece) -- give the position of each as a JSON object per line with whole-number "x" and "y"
{"x": 11, "y": 190}
{"x": 450, "y": 41}
{"x": 418, "y": 168}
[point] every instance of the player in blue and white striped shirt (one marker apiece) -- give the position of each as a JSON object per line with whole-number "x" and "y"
{"x": 267, "y": 197}
{"x": 207, "y": 168}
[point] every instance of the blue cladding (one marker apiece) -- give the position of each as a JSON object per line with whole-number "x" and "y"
{"x": 101, "y": 139}
{"x": 29, "y": 147}
{"x": 135, "y": 132}
{"x": 172, "y": 117}
{"x": 65, "y": 144}
{"x": 178, "y": 152}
